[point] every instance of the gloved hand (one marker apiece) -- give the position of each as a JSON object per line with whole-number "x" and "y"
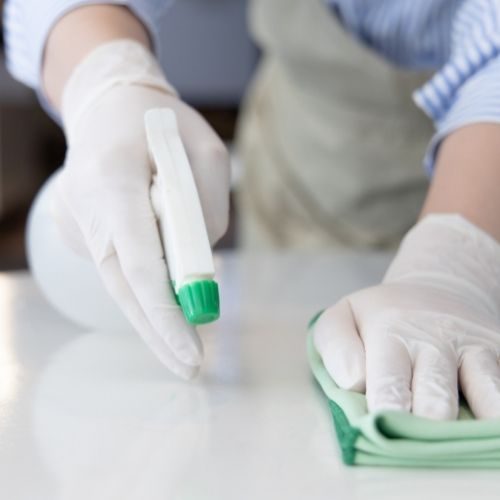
{"x": 431, "y": 326}
{"x": 103, "y": 203}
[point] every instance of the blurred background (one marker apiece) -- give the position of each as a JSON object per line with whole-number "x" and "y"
{"x": 196, "y": 55}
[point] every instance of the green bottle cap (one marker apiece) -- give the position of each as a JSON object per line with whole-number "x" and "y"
{"x": 199, "y": 301}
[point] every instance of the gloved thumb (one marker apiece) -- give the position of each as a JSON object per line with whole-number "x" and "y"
{"x": 337, "y": 341}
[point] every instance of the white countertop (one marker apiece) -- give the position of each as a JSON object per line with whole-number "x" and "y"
{"x": 92, "y": 415}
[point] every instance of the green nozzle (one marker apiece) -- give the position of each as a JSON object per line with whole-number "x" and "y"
{"x": 199, "y": 301}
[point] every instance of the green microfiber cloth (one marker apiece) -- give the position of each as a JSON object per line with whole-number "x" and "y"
{"x": 399, "y": 439}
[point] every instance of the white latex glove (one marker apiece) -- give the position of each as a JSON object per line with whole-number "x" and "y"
{"x": 103, "y": 201}
{"x": 431, "y": 326}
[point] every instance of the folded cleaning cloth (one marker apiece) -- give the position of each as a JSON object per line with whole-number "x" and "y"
{"x": 399, "y": 439}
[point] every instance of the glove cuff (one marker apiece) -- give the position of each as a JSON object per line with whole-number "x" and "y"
{"x": 448, "y": 250}
{"x": 121, "y": 62}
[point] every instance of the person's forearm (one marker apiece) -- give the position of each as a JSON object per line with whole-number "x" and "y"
{"x": 467, "y": 177}
{"x": 77, "y": 34}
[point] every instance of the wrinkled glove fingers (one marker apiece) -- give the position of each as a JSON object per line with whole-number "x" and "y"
{"x": 119, "y": 289}
{"x": 388, "y": 372}
{"x": 138, "y": 246}
{"x": 337, "y": 341}
{"x": 480, "y": 381}
{"x": 435, "y": 382}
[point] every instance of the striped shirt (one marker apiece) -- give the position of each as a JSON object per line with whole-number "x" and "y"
{"x": 459, "y": 39}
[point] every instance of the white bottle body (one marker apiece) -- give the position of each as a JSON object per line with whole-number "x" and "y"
{"x": 176, "y": 202}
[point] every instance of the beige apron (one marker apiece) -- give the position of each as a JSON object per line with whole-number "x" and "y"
{"x": 331, "y": 142}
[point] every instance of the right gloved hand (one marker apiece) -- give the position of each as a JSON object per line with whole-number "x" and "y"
{"x": 431, "y": 327}
{"x": 103, "y": 206}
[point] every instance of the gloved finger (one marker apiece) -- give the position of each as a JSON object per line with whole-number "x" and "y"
{"x": 119, "y": 289}
{"x": 435, "y": 382}
{"x": 388, "y": 372}
{"x": 139, "y": 250}
{"x": 338, "y": 343}
{"x": 479, "y": 376}
{"x": 210, "y": 164}
{"x": 61, "y": 214}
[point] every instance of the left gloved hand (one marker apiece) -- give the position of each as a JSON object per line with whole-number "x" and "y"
{"x": 431, "y": 327}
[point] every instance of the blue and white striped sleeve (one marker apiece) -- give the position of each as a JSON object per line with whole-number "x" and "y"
{"x": 460, "y": 38}
{"x": 466, "y": 89}
{"x": 27, "y": 24}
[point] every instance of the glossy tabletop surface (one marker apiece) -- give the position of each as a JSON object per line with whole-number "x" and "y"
{"x": 93, "y": 415}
